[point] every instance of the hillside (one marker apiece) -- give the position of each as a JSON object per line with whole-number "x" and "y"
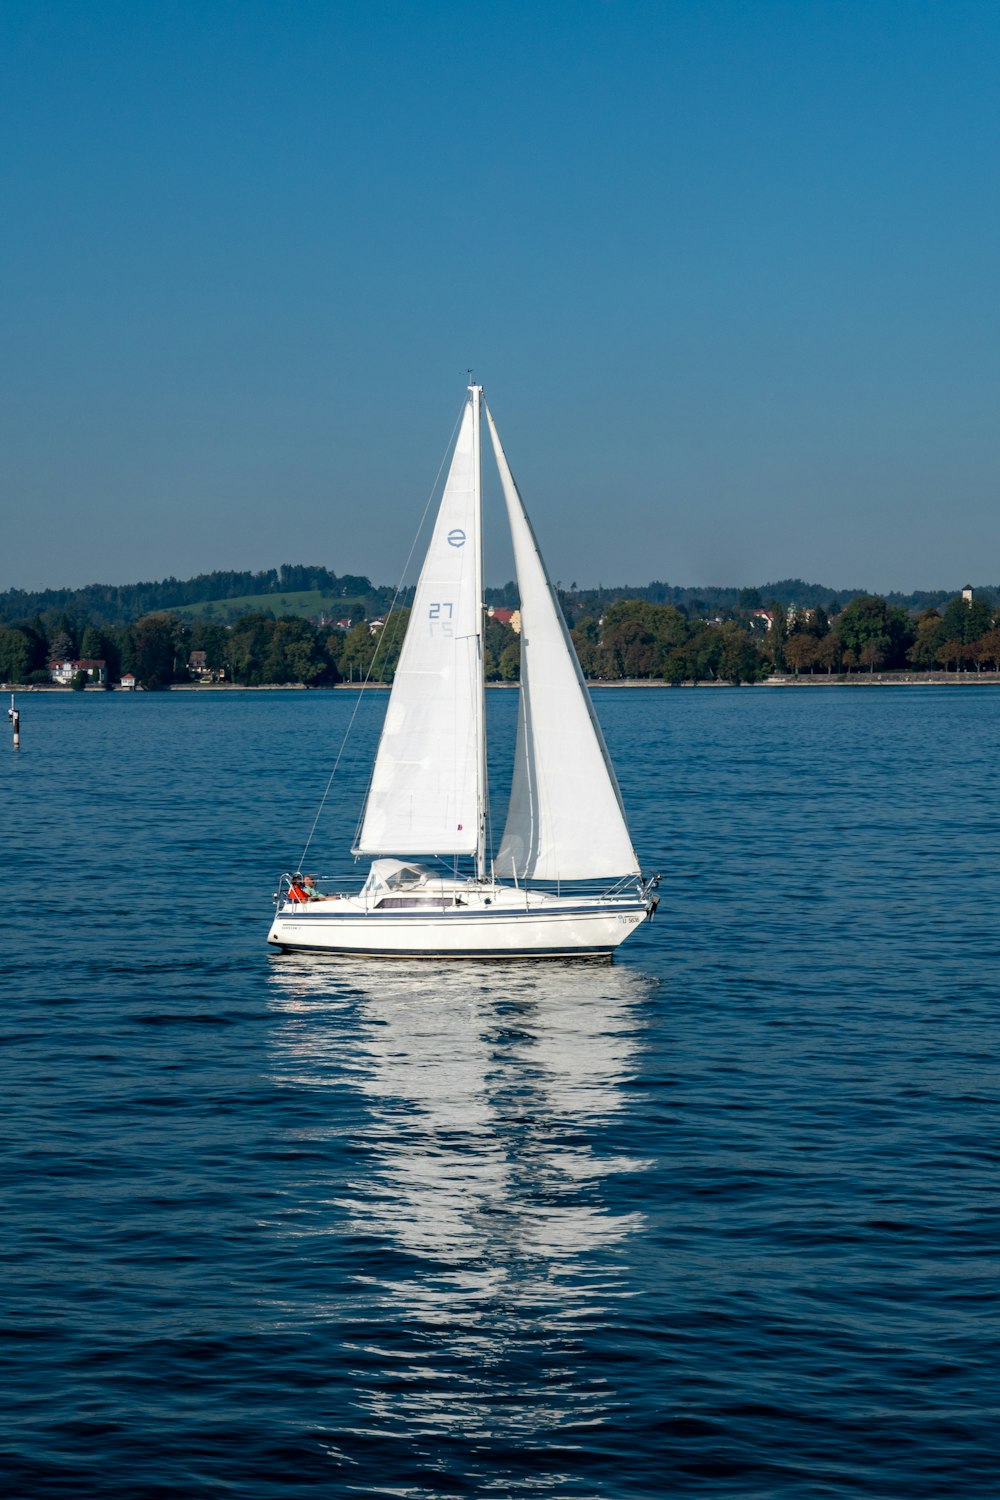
{"x": 305, "y": 604}
{"x": 202, "y": 596}
{"x": 306, "y": 592}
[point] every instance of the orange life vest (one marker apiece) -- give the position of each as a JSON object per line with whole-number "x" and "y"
{"x": 296, "y": 893}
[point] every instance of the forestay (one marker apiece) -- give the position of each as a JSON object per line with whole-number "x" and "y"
{"x": 425, "y": 795}
{"x": 565, "y": 818}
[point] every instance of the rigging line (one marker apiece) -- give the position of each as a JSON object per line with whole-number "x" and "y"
{"x": 383, "y": 634}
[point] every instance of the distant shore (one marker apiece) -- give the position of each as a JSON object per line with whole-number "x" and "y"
{"x": 886, "y": 679}
{"x": 855, "y": 679}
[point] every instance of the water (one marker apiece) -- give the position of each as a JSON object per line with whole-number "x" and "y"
{"x": 718, "y": 1220}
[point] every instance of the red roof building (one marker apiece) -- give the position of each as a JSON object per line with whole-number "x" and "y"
{"x": 65, "y": 670}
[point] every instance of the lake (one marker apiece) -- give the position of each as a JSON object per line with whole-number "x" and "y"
{"x": 719, "y": 1219}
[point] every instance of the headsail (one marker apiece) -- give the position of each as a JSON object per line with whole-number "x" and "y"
{"x": 565, "y": 819}
{"x": 426, "y": 794}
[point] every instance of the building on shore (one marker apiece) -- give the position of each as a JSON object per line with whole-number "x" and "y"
{"x": 63, "y": 671}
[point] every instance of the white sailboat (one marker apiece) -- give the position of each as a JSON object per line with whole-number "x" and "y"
{"x": 428, "y": 797}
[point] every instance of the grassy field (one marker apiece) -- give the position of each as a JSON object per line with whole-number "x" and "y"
{"x": 305, "y": 605}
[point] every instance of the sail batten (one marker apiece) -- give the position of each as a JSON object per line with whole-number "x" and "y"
{"x": 565, "y": 819}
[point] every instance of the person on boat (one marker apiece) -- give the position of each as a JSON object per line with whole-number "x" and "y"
{"x": 309, "y": 885}
{"x": 297, "y": 889}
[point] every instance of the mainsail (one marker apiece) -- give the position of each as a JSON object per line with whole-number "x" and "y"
{"x": 427, "y": 793}
{"x": 565, "y": 819}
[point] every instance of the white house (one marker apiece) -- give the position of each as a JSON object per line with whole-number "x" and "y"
{"x": 64, "y": 671}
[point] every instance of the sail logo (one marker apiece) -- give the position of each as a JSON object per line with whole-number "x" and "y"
{"x": 456, "y": 538}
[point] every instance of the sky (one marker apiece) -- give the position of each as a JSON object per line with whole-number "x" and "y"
{"x": 727, "y": 270}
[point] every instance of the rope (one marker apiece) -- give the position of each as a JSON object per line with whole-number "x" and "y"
{"x": 383, "y": 634}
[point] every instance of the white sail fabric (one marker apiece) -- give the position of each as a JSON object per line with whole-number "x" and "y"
{"x": 565, "y": 819}
{"x": 425, "y": 793}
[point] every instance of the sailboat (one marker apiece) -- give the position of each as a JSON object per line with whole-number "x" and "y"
{"x": 565, "y": 881}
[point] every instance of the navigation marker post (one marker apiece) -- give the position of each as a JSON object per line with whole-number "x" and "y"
{"x": 14, "y": 715}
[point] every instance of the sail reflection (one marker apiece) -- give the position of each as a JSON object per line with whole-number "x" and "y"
{"x": 491, "y": 1102}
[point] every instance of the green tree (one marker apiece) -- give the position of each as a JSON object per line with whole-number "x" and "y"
{"x": 213, "y": 639}
{"x": 293, "y": 653}
{"x": 955, "y": 619}
{"x": 510, "y": 661}
{"x": 15, "y": 654}
{"x": 636, "y": 638}
{"x": 97, "y": 644}
{"x": 816, "y": 624}
{"x": 248, "y": 645}
{"x": 965, "y": 620}
{"x": 496, "y": 638}
{"x": 596, "y": 661}
{"x": 677, "y": 666}
{"x": 738, "y": 660}
{"x": 801, "y": 652}
{"x": 928, "y": 635}
{"x": 869, "y": 620}
{"x": 121, "y": 636}
{"x": 388, "y": 643}
{"x": 979, "y": 618}
{"x": 356, "y": 653}
{"x": 697, "y": 660}
{"x": 154, "y": 650}
{"x": 628, "y": 633}
{"x": 63, "y": 640}
{"x": 774, "y": 644}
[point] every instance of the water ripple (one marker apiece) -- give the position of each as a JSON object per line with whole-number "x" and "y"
{"x": 718, "y": 1220}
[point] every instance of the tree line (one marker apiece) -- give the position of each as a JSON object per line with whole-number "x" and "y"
{"x": 632, "y": 639}
{"x": 257, "y": 650}
{"x": 120, "y": 604}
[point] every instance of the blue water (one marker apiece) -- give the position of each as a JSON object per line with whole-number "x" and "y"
{"x": 718, "y": 1220}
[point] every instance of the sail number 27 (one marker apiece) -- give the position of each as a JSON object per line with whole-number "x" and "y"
{"x": 441, "y": 614}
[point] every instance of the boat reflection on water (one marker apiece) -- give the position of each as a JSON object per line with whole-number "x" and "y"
{"x": 489, "y": 1120}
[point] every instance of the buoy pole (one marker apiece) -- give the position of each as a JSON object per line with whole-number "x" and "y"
{"x": 14, "y": 715}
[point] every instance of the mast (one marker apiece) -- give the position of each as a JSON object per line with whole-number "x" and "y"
{"x": 476, "y": 392}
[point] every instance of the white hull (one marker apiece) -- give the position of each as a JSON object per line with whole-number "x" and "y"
{"x": 491, "y": 922}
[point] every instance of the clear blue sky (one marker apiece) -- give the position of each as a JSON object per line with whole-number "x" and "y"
{"x": 728, "y": 271}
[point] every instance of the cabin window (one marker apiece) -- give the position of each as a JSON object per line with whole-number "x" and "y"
{"x": 397, "y": 901}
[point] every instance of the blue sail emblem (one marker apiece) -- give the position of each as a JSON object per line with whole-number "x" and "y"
{"x": 456, "y": 538}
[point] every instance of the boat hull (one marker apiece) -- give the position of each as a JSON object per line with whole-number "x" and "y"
{"x": 560, "y": 929}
